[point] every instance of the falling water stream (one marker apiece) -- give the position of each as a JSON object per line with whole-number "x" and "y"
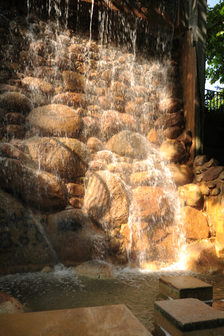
{"x": 115, "y": 72}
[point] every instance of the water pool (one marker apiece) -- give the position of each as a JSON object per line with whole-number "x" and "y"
{"x": 62, "y": 288}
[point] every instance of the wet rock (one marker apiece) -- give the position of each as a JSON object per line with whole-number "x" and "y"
{"x": 14, "y": 118}
{"x": 212, "y": 173}
{"x": 127, "y": 143}
{"x": 120, "y": 167}
{"x": 170, "y": 119}
{"x": 173, "y": 132}
{"x": 90, "y": 128}
{"x": 113, "y": 122}
{"x": 94, "y": 144}
{"x": 64, "y": 157}
{"x": 73, "y": 81}
{"x": 105, "y": 155}
{"x": 141, "y": 178}
{"x": 74, "y": 237}
{"x": 200, "y": 160}
{"x": 181, "y": 174}
{"x": 55, "y": 120}
{"x": 105, "y": 102}
{"x": 132, "y": 107}
{"x": 106, "y": 200}
{"x": 173, "y": 150}
{"x": 191, "y": 195}
{"x": 75, "y": 189}
{"x": 76, "y": 202}
{"x": 95, "y": 270}
{"x": 15, "y": 131}
{"x": 37, "y": 84}
{"x": 35, "y": 187}
{"x": 37, "y": 48}
{"x": 10, "y": 150}
{"x": 15, "y": 102}
{"x": 153, "y": 136}
{"x": 170, "y": 105}
{"x": 73, "y": 99}
{"x": 148, "y": 201}
{"x": 203, "y": 257}
{"x": 9, "y": 305}
{"x": 22, "y": 236}
{"x": 195, "y": 224}
{"x": 118, "y": 88}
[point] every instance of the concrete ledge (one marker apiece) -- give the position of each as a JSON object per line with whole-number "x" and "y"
{"x": 181, "y": 287}
{"x": 188, "y": 317}
{"x": 115, "y": 320}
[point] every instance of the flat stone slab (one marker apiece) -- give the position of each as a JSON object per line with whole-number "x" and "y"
{"x": 114, "y": 320}
{"x": 180, "y": 287}
{"x": 188, "y": 317}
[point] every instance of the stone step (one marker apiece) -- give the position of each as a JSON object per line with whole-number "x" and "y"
{"x": 187, "y": 317}
{"x": 180, "y": 287}
{"x": 113, "y": 320}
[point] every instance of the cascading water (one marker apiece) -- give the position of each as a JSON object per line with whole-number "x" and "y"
{"x": 112, "y": 88}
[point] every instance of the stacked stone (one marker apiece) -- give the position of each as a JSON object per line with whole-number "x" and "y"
{"x": 78, "y": 121}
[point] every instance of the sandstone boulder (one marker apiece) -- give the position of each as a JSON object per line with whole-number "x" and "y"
{"x": 73, "y": 81}
{"x": 127, "y": 143}
{"x": 55, "y": 120}
{"x": 74, "y": 99}
{"x": 173, "y": 150}
{"x": 170, "y": 105}
{"x": 65, "y": 157}
{"x": 107, "y": 200}
{"x": 15, "y": 102}
{"x": 148, "y": 202}
{"x": 35, "y": 187}
{"x": 191, "y": 195}
{"x": 195, "y": 224}
{"x": 74, "y": 238}
{"x": 22, "y": 236}
{"x": 37, "y": 84}
{"x": 94, "y": 144}
{"x": 181, "y": 174}
{"x": 202, "y": 257}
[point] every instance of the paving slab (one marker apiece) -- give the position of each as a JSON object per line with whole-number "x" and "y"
{"x": 188, "y": 317}
{"x": 111, "y": 320}
{"x": 179, "y": 287}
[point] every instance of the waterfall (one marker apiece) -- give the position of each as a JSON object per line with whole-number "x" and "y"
{"x": 98, "y": 84}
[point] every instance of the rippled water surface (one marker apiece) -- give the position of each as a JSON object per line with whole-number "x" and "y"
{"x": 63, "y": 289}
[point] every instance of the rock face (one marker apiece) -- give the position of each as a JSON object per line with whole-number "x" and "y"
{"x": 93, "y": 145}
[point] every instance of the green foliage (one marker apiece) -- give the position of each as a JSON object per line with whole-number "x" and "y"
{"x": 215, "y": 100}
{"x": 215, "y": 43}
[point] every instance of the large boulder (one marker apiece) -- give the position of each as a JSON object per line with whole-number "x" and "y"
{"x": 55, "y": 120}
{"x": 74, "y": 238}
{"x": 107, "y": 200}
{"x": 113, "y": 122}
{"x": 191, "y": 195}
{"x": 65, "y": 157}
{"x": 173, "y": 150}
{"x": 181, "y": 174}
{"x": 149, "y": 202}
{"x": 15, "y": 102}
{"x": 37, "y": 84}
{"x": 23, "y": 240}
{"x": 195, "y": 223}
{"x": 35, "y": 187}
{"x": 131, "y": 144}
